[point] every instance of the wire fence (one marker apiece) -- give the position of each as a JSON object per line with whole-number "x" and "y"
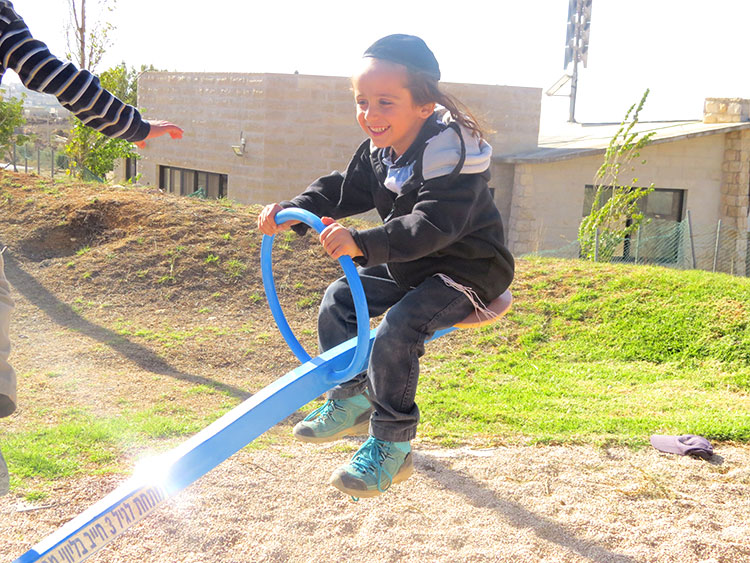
{"x": 44, "y": 161}
{"x": 717, "y": 248}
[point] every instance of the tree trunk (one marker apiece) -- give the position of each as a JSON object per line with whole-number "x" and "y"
{"x": 79, "y": 32}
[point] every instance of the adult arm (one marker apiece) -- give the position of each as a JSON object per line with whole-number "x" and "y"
{"x": 77, "y": 90}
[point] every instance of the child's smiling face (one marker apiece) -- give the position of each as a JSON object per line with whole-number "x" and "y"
{"x": 385, "y": 107}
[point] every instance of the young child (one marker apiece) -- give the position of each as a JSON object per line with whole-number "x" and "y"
{"x": 437, "y": 257}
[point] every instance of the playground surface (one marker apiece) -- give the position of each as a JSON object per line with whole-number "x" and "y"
{"x": 270, "y": 502}
{"x": 516, "y": 504}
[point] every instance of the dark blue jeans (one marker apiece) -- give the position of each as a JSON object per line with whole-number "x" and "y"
{"x": 412, "y": 317}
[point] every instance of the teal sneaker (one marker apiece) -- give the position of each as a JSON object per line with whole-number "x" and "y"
{"x": 335, "y": 419}
{"x": 375, "y": 467}
{"x": 4, "y": 477}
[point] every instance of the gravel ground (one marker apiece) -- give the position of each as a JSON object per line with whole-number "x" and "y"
{"x": 552, "y": 504}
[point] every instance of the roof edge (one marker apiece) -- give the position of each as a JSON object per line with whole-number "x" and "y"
{"x": 556, "y": 155}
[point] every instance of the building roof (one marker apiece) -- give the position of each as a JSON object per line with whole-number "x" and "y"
{"x": 573, "y": 140}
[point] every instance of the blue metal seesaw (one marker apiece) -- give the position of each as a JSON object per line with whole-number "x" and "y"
{"x": 174, "y": 470}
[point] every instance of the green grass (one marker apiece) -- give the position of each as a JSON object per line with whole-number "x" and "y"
{"x": 86, "y": 444}
{"x": 599, "y": 354}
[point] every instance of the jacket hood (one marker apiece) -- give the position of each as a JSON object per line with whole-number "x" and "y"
{"x": 444, "y": 150}
{"x": 441, "y": 146}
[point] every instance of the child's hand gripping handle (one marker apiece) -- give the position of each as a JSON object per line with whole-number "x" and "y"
{"x": 361, "y": 353}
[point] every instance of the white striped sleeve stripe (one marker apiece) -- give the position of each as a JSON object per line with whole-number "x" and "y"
{"x": 12, "y": 34}
{"x": 103, "y": 112}
{"x": 82, "y": 91}
{"x": 127, "y": 125}
{"x": 34, "y": 70}
{"x": 64, "y": 87}
{"x": 52, "y": 76}
{"x": 93, "y": 102}
{"x": 27, "y": 57}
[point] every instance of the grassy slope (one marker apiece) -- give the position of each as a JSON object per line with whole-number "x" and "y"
{"x": 601, "y": 353}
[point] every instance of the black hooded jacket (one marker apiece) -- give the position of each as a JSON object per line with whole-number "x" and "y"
{"x": 444, "y": 220}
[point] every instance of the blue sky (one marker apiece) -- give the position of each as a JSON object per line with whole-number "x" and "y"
{"x": 683, "y": 50}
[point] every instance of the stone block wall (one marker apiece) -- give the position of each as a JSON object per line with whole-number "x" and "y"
{"x": 735, "y": 189}
{"x": 548, "y": 197}
{"x": 296, "y": 127}
{"x": 289, "y": 123}
{"x": 726, "y": 110}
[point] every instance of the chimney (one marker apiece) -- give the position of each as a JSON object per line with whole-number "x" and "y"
{"x": 726, "y": 110}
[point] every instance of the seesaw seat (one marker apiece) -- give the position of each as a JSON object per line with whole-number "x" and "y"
{"x": 495, "y": 310}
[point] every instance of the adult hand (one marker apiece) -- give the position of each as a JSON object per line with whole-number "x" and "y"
{"x": 337, "y": 240}
{"x": 266, "y": 222}
{"x": 159, "y": 128}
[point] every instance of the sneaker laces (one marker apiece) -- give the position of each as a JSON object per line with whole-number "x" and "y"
{"x": 326, "y": 410}
{"x": 370, "y": 459}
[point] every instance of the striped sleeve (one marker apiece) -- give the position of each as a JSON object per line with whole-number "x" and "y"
{"x": 77, "y": 90}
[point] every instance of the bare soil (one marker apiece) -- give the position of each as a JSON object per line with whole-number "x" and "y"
{"x": 120, "y": 303}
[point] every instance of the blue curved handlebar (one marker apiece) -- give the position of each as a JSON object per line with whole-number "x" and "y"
{"x": 361, "y": 353}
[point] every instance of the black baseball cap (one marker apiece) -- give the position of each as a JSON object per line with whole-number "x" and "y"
{"x": 407, "y": 50}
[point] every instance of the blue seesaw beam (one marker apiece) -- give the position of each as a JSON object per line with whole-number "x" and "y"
{"x": 169, "y": 473}
{"x": 173, "y": 471}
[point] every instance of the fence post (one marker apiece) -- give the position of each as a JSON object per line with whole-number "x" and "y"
{"x": 52, "y": 162}
{"x": 14, "y": 158}
{"x": 692, "y": 243}
{"x": 716, "y": 246}
{"x": 637, "y": 243}
{"x": 39, "y": 161}
{"x": 596, "y": 246}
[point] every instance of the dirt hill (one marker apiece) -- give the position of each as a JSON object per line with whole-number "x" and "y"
{"x": 147, "y": 259}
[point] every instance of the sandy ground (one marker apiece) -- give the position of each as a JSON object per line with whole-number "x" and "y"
{"x": 552, "y": 504}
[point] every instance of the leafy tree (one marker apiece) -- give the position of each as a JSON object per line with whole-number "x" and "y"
{"x": 123, "y": 81}
{"x": 89, "y": 150}
{"x": 11, "y": 118}
{"x": 615, "y": 213}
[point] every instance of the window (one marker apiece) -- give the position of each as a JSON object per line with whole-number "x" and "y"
{"x": 660, "y": 239}
{"x": 183, "y": 181}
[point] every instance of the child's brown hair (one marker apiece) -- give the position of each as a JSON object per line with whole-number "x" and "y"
{"x": 425, "y": 89}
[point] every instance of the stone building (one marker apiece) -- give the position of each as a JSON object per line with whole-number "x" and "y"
{"x": 264, "y": 137}
{"x": 258, "y": 138}
{"x": 700, "y": 168}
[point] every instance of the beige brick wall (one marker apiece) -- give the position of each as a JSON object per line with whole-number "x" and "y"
{"x": 297, "y": 127}
{"x": 726, "y": 110}
{"x": 735, "y": 199}
{"x": 503, "y": 176}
